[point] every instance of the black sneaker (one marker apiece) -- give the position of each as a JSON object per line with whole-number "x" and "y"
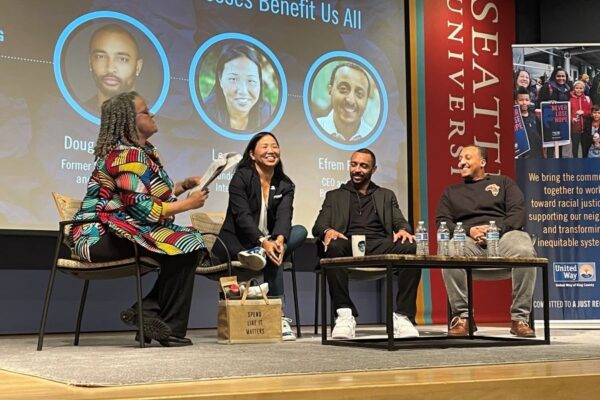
{"x": 154, "y": 328}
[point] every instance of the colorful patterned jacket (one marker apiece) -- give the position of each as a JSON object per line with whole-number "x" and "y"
{"x": 126, "y": 192}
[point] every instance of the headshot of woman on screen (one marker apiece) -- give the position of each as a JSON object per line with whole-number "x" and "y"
{"x": 236, "y": 100}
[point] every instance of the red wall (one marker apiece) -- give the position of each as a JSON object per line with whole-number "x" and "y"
{"x": 468, "y": 81}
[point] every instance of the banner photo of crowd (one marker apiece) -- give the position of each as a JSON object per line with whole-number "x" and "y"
{"x": 557, "y": 149}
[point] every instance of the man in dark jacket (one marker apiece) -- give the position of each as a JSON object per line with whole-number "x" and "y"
{"x": 360, "y": 207}
{"x": 476, "y": 201}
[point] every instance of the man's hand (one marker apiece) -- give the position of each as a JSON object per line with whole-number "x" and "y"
{"x": 330, "y": 235}
{"x": 478, "y": 233}
{"x": 403, "y": 236}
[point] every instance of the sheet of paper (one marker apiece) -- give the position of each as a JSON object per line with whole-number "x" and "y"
{"x": 218, "y": 166}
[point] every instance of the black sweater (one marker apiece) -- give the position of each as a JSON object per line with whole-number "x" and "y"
{"x": 493, "y": 198}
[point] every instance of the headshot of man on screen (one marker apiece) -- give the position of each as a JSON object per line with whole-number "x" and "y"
{"x": 236, "y": 100}
{"x": 115, "y": 63}
{"x": 349, "y": 88}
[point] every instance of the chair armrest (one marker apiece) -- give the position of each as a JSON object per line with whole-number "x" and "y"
{"x": 218, "y": 239}
{"x": 62, "y": 224}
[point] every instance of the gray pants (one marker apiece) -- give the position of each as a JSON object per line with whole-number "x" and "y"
{"x": 515, "y": 244}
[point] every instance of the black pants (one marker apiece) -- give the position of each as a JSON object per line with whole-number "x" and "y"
{"x": 171, "y": 297}
{"x": 586, "y": 141}
{"x": 408, "y": 278}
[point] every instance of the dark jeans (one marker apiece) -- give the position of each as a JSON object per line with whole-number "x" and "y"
{"x": 272, "y": 274}
{"x": 171, "y": 297}
{"x": 408, "y": 278}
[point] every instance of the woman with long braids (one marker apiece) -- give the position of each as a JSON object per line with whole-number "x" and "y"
{"x": 135, "y": 200}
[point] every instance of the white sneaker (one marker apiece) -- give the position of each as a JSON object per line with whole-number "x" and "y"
{"x": 286, "y": 330}
{"x": 403, "y": 328}
{"x": 345, "y": 324}
{"x": 253, "y": 258}
{"x": 254, "y": 292}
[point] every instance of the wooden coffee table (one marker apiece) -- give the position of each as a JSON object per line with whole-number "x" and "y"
{"x": 391, "y": 262}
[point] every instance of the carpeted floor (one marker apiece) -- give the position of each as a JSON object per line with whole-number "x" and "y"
{"x": 113, "y": 358}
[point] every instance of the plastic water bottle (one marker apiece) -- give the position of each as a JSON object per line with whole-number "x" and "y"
{"x": 460, "y": 238}
{"x": 492, "y": 238}
{"x": 443, "y": 240}
{"x": 422, "y": 239}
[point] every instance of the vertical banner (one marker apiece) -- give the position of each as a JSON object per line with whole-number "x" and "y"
{"x": 468, "y": 53}
{"x": 522, "y": 145}
{"x": 562, "y": 188}
{"x": 563, "y": 206}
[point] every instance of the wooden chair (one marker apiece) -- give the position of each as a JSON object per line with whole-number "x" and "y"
{"x": 210, "y": 230}
{"x": 71, "y": 265}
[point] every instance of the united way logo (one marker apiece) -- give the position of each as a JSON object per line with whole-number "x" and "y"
{"x": 574, "y": 272}
{"x": 587, "y": 272}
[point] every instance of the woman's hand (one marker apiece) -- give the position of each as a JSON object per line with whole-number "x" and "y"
{"x": 274, "y": 251}
{"x": 197, "y": 199}
{"x": 193, "y": 201}
{"x": 188, "y": 183}
{"x": 191, "y": 182}
{"x": 280, "y": 245}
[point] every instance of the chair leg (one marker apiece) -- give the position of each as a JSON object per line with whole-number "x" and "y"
{"x": 46, "y": 306}
{"x": 317, "y": 296}
{"x": 295, "y": 289}
{"x": 80, "y": 313}
{"x": 382, "y": 301}
{"x": 140, "y": 309}
{"x": 332, "y": 315}
{"x": 448, "y": 313}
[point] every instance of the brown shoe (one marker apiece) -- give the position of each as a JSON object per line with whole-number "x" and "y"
{"x": 459, "y": 327}
{"x": 521, "y": 329}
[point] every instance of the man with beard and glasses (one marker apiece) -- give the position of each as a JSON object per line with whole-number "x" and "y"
{"x": 349, "y": 88}
{"x": 360, "y": 207}
{"x": 115, "y": 63}
{"x": 476, "y": 201}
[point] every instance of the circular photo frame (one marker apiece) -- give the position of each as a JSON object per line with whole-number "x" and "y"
{"x": 130, "y": 55}
{"x": 345, "y": 100}
{"x": 237, "y": 86}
